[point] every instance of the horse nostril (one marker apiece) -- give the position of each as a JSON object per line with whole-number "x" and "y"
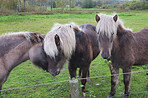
{"x": 47, "y": 70}
{"x": 53, "y": 74}
{"x": 105, "y": 56}
{"x": 57, "y": 72}
{"x": 109, "y": 58}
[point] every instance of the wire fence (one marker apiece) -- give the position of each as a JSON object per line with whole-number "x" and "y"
{"x": 44, "y": 84}
{"x": 134, "y": 93}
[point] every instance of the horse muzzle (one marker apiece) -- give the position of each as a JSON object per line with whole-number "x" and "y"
{"x": 106, "y": 55}
{"x": 53, "y": 73}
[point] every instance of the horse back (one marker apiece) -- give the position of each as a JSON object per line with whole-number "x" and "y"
{"x": 9, "y": 43}
{"x": 141, "y": 46}
{"x": 90, "y": 31}
{"x": 87, "y": 48}
{"x": 142, "y": 37}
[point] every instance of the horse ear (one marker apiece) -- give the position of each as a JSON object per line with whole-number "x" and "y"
{"x": 57, "y": 40}
{"x": 97, "y": 18}
{"x": 115, "y": 18}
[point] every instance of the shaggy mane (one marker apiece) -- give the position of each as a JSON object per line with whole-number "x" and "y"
{"x": 24, "y": 34}
{"x": 67, "y": 39}
{"x": 107, "y": 26}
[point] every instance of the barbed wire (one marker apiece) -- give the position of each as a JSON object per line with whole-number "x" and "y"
{"x": 34, "y": 85}
{"x": 133, "y": 93}
{"x": 115, "y": 74}
{"x": 69, "y": 80}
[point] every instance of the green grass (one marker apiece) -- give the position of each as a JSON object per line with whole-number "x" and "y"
{"x": 27, "y": 74}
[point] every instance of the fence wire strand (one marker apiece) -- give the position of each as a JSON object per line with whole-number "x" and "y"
{"x": 69, "y": 80}
{"x": 133, "y": 93}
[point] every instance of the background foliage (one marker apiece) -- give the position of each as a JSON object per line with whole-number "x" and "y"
{"x": 61, "y": 6}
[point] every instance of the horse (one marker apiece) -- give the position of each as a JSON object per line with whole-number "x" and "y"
{"x": 122, "y": 47}
{"x": 18, "y": 47}
{"x": 76, "y": 44}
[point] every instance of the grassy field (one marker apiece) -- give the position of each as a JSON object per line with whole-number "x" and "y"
{"x": 27, "y": 74}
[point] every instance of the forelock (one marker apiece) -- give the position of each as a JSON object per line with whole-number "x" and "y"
{"x": 106, "y": 25}
{"x": 67, "y": 40}
{"x": 50, "y": 47}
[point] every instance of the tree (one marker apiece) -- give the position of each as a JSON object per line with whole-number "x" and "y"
{"x": 24, "y": 5}
{"x": 33, "y": 2}
{"x": 103, "y": 1}
{"x": 72, "y": 4}
{"x": 87, "y": 4}
{"x": 54, "y": 4}
{"x": 62, "y": 4}
{"x": 1, "y": 4}
{"x": 51, "y": 5}
{"x": 19, "y": 5}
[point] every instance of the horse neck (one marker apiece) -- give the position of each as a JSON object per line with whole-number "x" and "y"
{"x": 90, "y": 31}
{"x": 123, "y": 40}
{"x": 17, "y": 55}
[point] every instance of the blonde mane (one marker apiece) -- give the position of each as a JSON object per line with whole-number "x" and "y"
{"x": 25, "y": 34}
{"x": 107, "y": 26}
{"x": 67, "y": 39}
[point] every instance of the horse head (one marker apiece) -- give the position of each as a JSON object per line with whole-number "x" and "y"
{"x": 59, "y": 44}
{"x": 106, "y": 29}
{"x": 56, "y": 63}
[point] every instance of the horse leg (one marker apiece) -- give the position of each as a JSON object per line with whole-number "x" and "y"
{"x": 84, "y": 80}
{"x": 0, "y": 89}
{"x": 1, "y": 82}
{"x": 126, "y": 80}
{"x": 3, "y": 79}
{"x": 88, "y": 77}
{"x": 72, "y": 71}
{"x": 147, "y": 83}
{"x": 79, "y": 75}
{"x": 114, "y": 80}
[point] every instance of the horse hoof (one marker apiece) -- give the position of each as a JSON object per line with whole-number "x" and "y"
{"x": 109, "y": 96}
{"x": 88, "y": 79}
{"x": 78, "y": 76}
{"x": 83, "y": 95}
{"x": 125, "y": 96}
{"x": 146, "y": 85}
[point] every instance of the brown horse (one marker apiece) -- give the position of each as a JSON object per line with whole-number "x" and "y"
{"x": 122, "y": 46}
{"x": 78, "y": 45}
{"x": 19, "y": 47}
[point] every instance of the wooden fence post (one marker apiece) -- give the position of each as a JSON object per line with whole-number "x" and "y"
{"x": 74, "y": 88}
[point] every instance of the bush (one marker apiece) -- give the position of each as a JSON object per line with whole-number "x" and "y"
{"x": 88, "y": 4}
{"x": 134, "y": 5}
